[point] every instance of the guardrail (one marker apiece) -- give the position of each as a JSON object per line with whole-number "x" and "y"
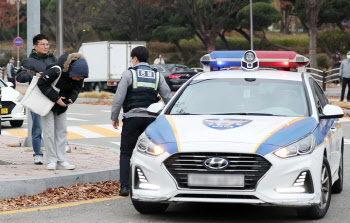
{"x": 324, "y": 76}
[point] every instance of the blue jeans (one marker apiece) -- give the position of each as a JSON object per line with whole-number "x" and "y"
{"x": 36, "y": 134}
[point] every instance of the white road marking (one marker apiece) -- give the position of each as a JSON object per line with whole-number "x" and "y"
{"x": 108, "y": 111}
{"x": 347, "y": 141}
{"x": 76, "y": 119}
{"x": 110, "y": 127}
{"x": 5, "y": 133}
{"x": 84, "y": 132}
{"x": 77, "y": 114}
{"x": 117, "y": 143}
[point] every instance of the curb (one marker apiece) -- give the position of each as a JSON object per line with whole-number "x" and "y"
{"x": 12, "y": 188}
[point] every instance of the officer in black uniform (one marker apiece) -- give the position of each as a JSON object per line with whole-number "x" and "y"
{"x": 138, "y": 89}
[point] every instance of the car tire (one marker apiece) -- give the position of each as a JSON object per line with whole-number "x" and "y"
{"x": 98, "y": 87}
{"x": 149, "y": 207}
{"x": 320, "y": 210}
{"x": 17, "y": 123}
{"x": 338, "y": 185}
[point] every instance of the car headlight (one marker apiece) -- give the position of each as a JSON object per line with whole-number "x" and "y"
{"x": 147, "y": 146}
{"x": 19, "y": 98}
{"x": 301, "y": 147}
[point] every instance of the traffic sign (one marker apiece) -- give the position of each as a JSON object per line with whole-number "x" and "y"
{"x": 18, "y": 41}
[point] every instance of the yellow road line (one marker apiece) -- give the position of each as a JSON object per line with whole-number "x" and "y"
{"x": 100, "y": 130}
{"x": 18, "y": 132}
{"x": 72, "y": 135}
{"x": 61, "y": 205}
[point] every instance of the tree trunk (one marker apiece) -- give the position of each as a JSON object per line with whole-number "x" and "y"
{"x": 178, "y": 46}
{"x": 211, "y": 45}
{"x": 283, "y": 25}
{"x": 244, "y": 34}
{"x": 224, "y": 40}
{"x": 313, "y": 46}
{"x": 347, "y": 34}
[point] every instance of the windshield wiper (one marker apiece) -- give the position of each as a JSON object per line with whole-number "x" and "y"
{"x": 246, "y": 113}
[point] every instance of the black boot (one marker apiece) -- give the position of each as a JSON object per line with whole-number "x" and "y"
{"x": 124, "y": 191}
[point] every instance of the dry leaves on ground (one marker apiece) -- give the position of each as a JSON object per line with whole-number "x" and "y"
{"x": 344, "y": 105}
{"x": 99, "y": 102}
{"x": 76, "y": 192}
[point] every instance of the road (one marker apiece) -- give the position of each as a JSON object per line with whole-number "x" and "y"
{"x": 87, "y": 124}
{"x": 121, "y": 210}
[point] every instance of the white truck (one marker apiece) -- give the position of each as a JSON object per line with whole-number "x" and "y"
{"x": 107, "y": 61}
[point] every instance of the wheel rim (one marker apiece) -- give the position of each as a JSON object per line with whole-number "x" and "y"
{"x": 325, "y": 186}
{"x": 97, "y": 88}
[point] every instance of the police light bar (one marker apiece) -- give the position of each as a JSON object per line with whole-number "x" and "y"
{"x": 282, "y": 59}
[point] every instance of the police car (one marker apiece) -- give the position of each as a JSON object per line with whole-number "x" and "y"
{"x": 11, "y": 107}
{"x": 254, "y": 136}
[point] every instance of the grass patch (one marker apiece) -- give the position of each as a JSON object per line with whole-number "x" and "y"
{"x": 94, "y": 94}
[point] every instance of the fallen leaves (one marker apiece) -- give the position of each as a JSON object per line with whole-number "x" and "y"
{"x": 99, "y": 102}
{"x": 51, "y": 196}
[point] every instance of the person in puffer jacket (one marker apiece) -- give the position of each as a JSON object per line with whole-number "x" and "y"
{"x": 74, "y": 70}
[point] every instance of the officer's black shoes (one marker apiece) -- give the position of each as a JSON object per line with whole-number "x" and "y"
{"x": 124, "y": 191}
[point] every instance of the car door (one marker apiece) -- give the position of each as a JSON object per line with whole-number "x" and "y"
{"x": 334, "y": 134}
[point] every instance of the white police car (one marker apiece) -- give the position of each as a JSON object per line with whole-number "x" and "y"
{"x": 11, "y": 107}
{"x": 262, "y": 137}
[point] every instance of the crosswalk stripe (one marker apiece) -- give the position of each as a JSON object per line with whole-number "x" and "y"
{"x": 84, "y": 132}
{"x": 72, "y": 135}
{"x": 17, "y": 132}
{"x": 100, "y": 130}
{"x": 110, "y": 127}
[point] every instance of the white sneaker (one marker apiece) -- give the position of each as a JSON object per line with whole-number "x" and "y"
{"x": 38, "y": 160}
{"x": 51, "y": 166}
{"x": 65, "y": 166}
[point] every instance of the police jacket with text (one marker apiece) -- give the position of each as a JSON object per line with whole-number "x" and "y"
{"x": 144, "y": 88}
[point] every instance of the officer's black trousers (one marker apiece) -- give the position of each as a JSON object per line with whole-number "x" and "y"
{"x": 346, "y": 81}
{"x": 132, "y": 129}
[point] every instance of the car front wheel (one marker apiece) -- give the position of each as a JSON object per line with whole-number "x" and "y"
{"x": 320, "y": 210}
{"x": 338, "y": 185}
{"x": 17, "y": 123}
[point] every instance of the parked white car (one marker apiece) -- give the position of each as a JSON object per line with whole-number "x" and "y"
{"x": 12, "y": 109}
{"x": 262, "y": 137}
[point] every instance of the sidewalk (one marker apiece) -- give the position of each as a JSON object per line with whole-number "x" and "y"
{"x": 20, "y": 176}
{"x": 333, "y": 91}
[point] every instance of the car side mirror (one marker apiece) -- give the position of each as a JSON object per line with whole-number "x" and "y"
{"x": 332, "y": 111}
{"x": 9, "y": 84}
{"x": 155, "y": 108}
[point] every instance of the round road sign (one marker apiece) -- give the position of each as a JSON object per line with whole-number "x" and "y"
{"x": 18, "y": 41}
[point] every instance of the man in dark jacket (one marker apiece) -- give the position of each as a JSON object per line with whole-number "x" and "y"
{"x": 74, "y": 70}
{"x": 35, "y": 64}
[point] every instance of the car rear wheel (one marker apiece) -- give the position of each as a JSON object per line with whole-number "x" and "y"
{"x": 17, "y": 123}
{"x": 338, "y": 185}
{"x": 320, "y": 210}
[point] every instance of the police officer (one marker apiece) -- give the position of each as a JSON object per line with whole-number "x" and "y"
{"x": 138, "y": 88}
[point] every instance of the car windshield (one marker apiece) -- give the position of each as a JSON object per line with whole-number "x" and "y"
{"x": 242, "y": 97}
{"x": 181, "y": 69}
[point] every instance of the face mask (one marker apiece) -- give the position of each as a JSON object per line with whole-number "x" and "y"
{"x": 348, "y": 56}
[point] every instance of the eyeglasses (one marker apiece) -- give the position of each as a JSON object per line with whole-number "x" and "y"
{"x": 43, "y": 44}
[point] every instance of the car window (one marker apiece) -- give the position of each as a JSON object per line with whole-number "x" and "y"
{"x": 160, "y": 69}
{"x": 236, "y": 95}
{"x": 181, "y": 69}
{"x": 2, "y": 83}
{"x": 320, "y": 98}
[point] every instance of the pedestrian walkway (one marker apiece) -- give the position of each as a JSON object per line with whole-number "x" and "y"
{"x": 20, "y": 176}
{"x": 76, "y": 132}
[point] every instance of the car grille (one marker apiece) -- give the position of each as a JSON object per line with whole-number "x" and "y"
{"x": 252, "y": 166}
{"x": 8, "y": 104}
{"x": 217, "y": 196}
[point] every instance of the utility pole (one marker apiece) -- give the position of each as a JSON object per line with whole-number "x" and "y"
{"x": 251, "y": 25}
{"x": 33, "y": 28}
{"x": 18, "y": 31}
{"x": 59, "y": 27}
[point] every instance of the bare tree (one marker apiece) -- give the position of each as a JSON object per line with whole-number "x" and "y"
{"x": 312, "y": 12}
{"x": 209, "y": 16}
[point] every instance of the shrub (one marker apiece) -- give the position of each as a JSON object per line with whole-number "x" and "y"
{"x": 323, "y": 61}
{"x": 335, "y": 40}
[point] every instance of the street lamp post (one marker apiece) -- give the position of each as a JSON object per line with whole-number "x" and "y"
{"x": 18, "y": 32}
{"x": 251, "y": 25}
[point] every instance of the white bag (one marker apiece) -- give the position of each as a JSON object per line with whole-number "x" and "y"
{"x": 35, "y": 100}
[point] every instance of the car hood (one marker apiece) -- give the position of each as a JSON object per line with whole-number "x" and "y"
{"x": 9, "y": 94}
{"x": 184, "y": 132}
